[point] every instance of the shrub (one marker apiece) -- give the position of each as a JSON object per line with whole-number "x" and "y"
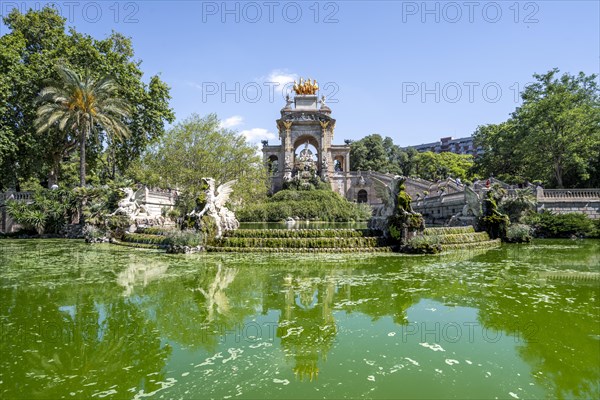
{"x": 144, "y": 238}
{"x": 448, "y": 230}
{"x": 550, "y": 225}
{"x": 518, "y": 233}
{"x": 522, "y": 204}
{"x": 152, "y": 230}
{"x": 99, "y": 204}
{"x": 48, "y": 212}
{"x": 596, "y": 233}
{"x": 184, "y": 238}
{"x": 323, "y": 205}
{"x": 492, "y": 221}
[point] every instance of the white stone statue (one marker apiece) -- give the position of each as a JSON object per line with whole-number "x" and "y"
{"x": 288, "y": 162}
{"x": 129, "y": 204}
{"x": 225, "y": 219}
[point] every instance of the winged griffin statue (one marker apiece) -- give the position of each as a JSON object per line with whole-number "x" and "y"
{"x": 388, "y": 193}
{"x": 471, "y": 210}
{"x": 473, "y": 206}
{"x": 129, "y": 205}
{"x": 225, "y": 219}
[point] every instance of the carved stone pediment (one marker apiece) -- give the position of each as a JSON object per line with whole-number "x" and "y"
{"x": 305, "y": 116}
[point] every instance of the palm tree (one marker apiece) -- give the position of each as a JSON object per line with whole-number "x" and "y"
{"x": 80, "y": 105}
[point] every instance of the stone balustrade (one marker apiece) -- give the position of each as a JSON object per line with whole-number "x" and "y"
{"x": 19, "y": 196}
{"x": 569, "y": 194}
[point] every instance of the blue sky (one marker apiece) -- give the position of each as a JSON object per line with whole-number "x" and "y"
{"x": 414, "y": 71}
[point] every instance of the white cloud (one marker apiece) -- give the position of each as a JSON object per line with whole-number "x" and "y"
{"x": 281, "y": 77}
{"x": 256, "y": 134}
{"x": 231, "y": 122}
{"x": 194, "y": 85}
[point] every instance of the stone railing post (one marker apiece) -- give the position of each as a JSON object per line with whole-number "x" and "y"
{"x": 539, "y": 193}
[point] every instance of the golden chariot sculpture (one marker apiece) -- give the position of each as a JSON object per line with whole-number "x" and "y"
{"x": 306, "y": 87}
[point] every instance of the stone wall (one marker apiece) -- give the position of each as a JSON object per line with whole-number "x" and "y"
{"x": 439, "y": 208}
{"x": 562, "y": 201}
{"x": 155, "y": 200}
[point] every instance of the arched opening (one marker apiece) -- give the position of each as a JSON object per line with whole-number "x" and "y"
{"x": 273, "y": 164}
{"x": 338, "y": 164}
{"x": 362, "y": 196}
{"x": 306, "y": 155}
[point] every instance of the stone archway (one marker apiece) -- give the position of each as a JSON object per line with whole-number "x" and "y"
{"x": 273, "y": 164}
{"x": 338, "y": 164}
{"x": 362, "y": 196}
{"x": 306, "y": 146}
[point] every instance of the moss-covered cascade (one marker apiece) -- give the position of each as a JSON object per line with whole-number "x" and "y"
{"x": 301, "y": 241}
{"x": 312, "y": 240}
{"x": 451, "y": 238}
{"x": 302, "y": 233}
{"x": 147, "y": 238}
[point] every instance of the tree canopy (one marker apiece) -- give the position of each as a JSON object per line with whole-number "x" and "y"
{"x": 77, "y": 107}
{"x": 373, "y": 153}
{"x": 198, "y": 147}
{"x": 37, "y": 42}
{"x": 553, "y": 137}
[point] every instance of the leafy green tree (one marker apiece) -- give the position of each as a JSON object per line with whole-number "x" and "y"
{"x": 369, "y": 154}
{"x": 501, "y": 148}
{"x": 374, "y": 153}
{"x": 36, "y": 43}
{"x": 395, "y": 156}
{"x": 81, "y": 106}
{"x": 554, "y": 136}
{"x": 198, "y": 147}
{"x": 407, "y": 161}
{"x": 560, "y": 119}
{"x": 434, "y": 166}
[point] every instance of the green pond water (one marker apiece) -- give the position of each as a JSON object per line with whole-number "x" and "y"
{"x": 103, "y": 321}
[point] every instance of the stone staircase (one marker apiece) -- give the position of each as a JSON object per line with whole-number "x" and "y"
{"x": 463, "y": 237}
{"x": 301, "y": 241}
{"x": 311, "y": 240}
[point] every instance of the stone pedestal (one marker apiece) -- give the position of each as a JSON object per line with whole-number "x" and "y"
{"x": 305, "y": 102}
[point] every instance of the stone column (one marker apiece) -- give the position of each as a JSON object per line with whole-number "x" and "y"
{"x": 288, "y": 152}
{"x": 324, "y": 150}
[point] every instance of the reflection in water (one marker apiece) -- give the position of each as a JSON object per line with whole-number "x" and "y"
{"x": 216, "y": 299}
{"x": 85, "y": 322}
{"x": 48, "y": 352}
{"x": 138, "y": 273}
{"x": 308, "y": 330}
